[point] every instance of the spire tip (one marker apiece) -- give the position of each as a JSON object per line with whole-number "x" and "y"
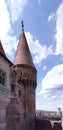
{"x": 22, "y": 25}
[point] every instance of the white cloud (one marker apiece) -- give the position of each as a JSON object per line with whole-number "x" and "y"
{"x": 6, "y": 32}
{"x": 39, "y": 51}
{"x": 59, "y": 30}
{"x": 52, "y": 84}
{"x": 5, "y": 25}
{"x": 10, "y": 43}
{"x": 51, "y": 17}
{"x": 44, "y": 68}
{"x": 58, "y": 16}
{"x": 16, "y": 8}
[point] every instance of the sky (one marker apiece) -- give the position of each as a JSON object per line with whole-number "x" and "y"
{"x": 43, "y": 25}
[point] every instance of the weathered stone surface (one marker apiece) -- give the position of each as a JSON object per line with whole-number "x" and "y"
{"x": 46, "y": 125}
{"x": 3, "y": 105}
{"x": 5, "y": 66}
{"x": 15, "y": 115}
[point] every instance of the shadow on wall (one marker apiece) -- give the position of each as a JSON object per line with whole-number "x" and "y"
{"x": 46, "y": 125}
{"x": 13, "y": 115}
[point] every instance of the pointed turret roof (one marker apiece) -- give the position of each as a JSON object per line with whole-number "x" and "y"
{"x": 23, "y": 55}
{"x": 2, "y": 50}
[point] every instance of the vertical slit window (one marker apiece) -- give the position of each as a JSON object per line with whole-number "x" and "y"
{"x": 2, "y": 77}
{"x": 12, "y": 88}
{"x": 19, "y": 94}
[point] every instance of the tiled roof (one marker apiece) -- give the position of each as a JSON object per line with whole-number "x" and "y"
{"x": 23, "y": 55}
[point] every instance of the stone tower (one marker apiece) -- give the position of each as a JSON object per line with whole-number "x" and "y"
{"x": 26, "y": 70}
{"x": 26, "y": 75}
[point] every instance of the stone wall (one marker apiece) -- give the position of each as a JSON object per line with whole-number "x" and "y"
{"x": 46, "y": 125}
{"x": 3, "y": 105}
{"x": 27, "y": 75}
{"x": 5, "y": 66}
{"x": 4, "y": 92}
{"x": 15, "y": 115}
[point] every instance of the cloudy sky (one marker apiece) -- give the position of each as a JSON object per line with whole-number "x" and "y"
{"x": 43, "y": 23}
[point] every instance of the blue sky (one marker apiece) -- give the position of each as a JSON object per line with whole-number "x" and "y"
{"x": 43, "y": 24}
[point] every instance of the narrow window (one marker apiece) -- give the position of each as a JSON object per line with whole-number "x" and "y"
{"x": 12, "y": 88}
{"x": 2, "y": 77}
{"x": 27, "y": 81}
{"x": 33, "y": 83}
{"x": 30, "y": 82}
{"x": 19, "y": 94}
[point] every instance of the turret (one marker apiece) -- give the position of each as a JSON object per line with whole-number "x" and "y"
{"x": 26, "y": 71}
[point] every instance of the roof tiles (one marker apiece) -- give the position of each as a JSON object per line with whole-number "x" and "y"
{"x": 23, "y": 55}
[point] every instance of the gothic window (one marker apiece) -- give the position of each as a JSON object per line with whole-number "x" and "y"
{"x": 12, "y": 88}
{"x": 19, "y": 94}
{"x": 2, "y": 77}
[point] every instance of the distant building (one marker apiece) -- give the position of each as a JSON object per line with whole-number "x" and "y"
{"x": 58, "y": 111}
{"x": 53, "y": 115}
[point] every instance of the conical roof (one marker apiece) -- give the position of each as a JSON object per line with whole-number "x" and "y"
{"x": 23, "y": 55}
{"x": 2, "y": 50}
